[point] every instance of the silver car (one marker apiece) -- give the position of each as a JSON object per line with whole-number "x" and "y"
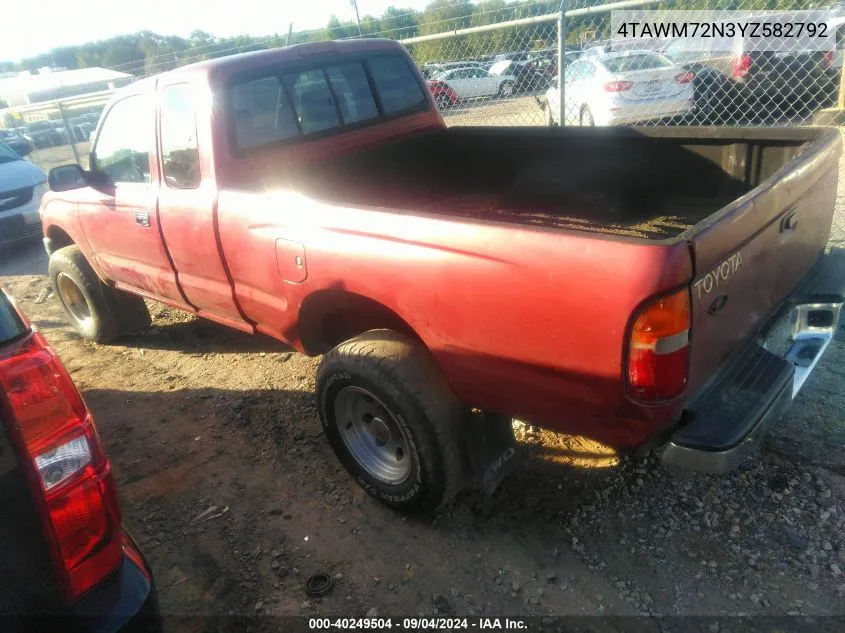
{"x": 620, "y": 89}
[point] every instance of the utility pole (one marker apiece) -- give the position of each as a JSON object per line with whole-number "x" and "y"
{"x": 357, "y": 17}
{"x": 561, "y": 64}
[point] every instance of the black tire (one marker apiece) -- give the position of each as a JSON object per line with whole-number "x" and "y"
{"x": 443, "y": 101}
{"x": 587, "y": 117}
{"x": 507, "y": 90}
{"x": 550, "y": 118}
{"x": 405, "y": 380}
{"x": 97, "y": 312}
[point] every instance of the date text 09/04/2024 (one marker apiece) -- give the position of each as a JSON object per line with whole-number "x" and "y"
{"x": 417, "y": 624}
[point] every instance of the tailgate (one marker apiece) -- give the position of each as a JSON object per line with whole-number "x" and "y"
{"x": 750, "y": 256}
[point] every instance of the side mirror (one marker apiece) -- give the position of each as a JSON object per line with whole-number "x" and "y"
{"x": 67, "y": 177}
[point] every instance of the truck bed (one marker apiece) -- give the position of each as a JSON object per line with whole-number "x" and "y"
{"x": 649, "y": 183}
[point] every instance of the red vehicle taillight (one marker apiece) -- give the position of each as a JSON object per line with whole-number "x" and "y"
{"x": 618, "y": 86}
{"x": 742, "y": 64}
{"x": 827, "y": 60}
{"x": 658, "y": 349}
{"x": 66, "y": 465}
{"x": 685, "y": 78}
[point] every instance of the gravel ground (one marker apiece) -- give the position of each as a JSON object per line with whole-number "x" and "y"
{"x": 236, "y": 498}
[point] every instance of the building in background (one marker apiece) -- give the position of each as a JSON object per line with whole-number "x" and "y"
{"x": 24, "y": 88}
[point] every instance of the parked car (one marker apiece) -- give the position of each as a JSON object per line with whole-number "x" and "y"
{"x": 22, "y": 184}
{"x": 526, "y": 78}
{"x": 66, "y": 559}
{"x": 832, "y": 62}
{"x": 548, "y": 63}
{"x": 472, "y": 83}
{"x": 80, "y": 129}
{"x": 443, "y": 94}
{"x": 622, "y": 88}
{"x": 641, "y": 287}
{"x": 754, "y": 84}
{"x": 44, "y": 134}
{"x": 430, "y": 71}
{"x": 17, "y": 142}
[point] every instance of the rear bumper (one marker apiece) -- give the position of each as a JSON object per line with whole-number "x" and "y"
{"x": 733, "y": 412}
{"x": 627, "y": 113}
{"x": 126, "y": 602}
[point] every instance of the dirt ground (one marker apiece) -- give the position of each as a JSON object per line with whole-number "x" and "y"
{"x": 235, "y": 497}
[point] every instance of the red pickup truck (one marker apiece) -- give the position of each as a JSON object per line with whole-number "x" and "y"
{"x": 641, "y": 287}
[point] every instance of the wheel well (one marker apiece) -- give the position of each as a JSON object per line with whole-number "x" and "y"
{"x": 330, "y": 317}
{"x": 59, "y": 238}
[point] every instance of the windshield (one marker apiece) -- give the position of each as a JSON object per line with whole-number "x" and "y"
{"x": 7, "y": 154}
{"x": 639, "y": 61}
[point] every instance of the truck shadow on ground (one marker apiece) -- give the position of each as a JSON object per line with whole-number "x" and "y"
{"x": 261, "y": 459}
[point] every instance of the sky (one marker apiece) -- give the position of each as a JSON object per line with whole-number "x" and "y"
{"x": 64, "y": 23}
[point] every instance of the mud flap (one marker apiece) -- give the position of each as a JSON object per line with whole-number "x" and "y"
{"x": 491, "y": 449}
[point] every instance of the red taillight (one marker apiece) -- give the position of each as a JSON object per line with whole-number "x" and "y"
{"x": 658, "y": 350}
{"x": 68, "y": 470}
{"x": 618, "y": 86}
{"x": 827, "y": 61}
{"x": 741, "y": 66}
{"x": 685, "y": 78}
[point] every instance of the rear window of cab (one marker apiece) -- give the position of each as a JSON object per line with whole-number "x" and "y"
{"x": 321, "y": 99}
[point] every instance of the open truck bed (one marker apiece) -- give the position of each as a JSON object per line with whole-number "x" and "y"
{"x": 651, "y": 183}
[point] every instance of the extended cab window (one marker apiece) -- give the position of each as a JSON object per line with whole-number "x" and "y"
{"x": 125, "y": 140}
{"x": 179, "y": 155}
{"x": 320, "y": 99}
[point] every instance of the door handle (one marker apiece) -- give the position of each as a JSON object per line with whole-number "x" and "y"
{"x": 142, "y": 219}
{"x": 789, "y": 222}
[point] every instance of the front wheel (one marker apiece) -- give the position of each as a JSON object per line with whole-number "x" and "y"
{"x": 506, "y": 89}
{"x": 587, "y": 117}
{"x": 443, "y": 101}
{"x": 392, "y": 420}
{"x": 550, "y": 119}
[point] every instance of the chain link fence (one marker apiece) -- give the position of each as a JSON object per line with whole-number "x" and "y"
{"x": 570, "y": 67}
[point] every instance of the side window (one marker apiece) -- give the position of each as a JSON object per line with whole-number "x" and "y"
{"x": 350, "y": 86}
{"x": 261, "y": 113}
{"x": 125, "y": 141}
{"x": 179, "y": 153}
{"x": 396, "y": 84}
{"x": 312, "y": 100}
{"x": 589, "y": 71}
{"x": 477, "y": 73}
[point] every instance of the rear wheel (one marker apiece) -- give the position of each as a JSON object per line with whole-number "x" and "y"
{"x": 392, "y": 420}
{"x": 443, "y": 101}
{"x": 506, "y": 89}
{"x": 96, "y": 311}
{"x": 587, "y": 117}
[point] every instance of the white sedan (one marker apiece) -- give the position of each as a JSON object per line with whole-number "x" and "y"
{"x": 473, "y": 82}
{"x": 620, "y": 89}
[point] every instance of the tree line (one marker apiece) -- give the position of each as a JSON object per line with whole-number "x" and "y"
{"x": 146, "y": 52}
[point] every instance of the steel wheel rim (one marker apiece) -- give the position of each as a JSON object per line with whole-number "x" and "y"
{"x": 507, "y": 89}
{"x": 73, "y": 299}
{"x": 372, "y": 435}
